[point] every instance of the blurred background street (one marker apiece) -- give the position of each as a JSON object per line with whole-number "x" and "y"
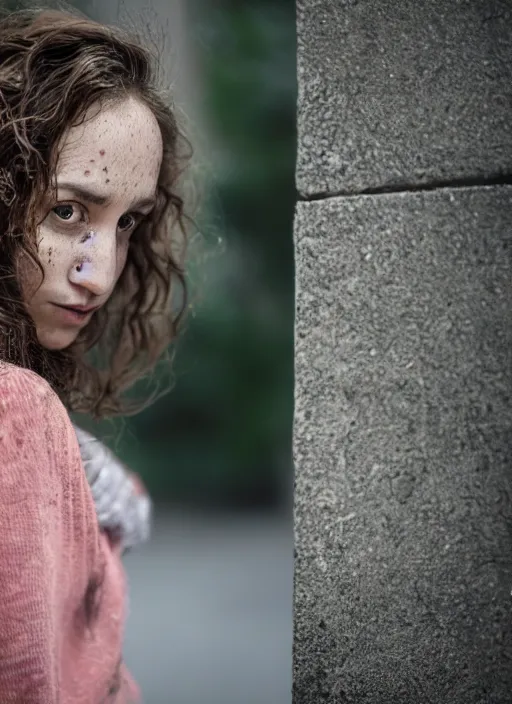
{"x": 211, "y": 611}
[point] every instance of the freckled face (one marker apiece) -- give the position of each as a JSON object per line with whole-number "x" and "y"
{"x": 107, "y": 176}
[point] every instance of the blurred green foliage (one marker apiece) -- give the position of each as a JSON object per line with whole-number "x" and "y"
{"x": 223, "y": 435}
{"x": 232, "y": 405}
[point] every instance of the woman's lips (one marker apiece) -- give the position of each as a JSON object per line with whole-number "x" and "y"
{"x": 72, "y": 315}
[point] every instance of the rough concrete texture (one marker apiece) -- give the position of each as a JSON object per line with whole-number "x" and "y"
{"x": 402, "y": 92}
{"x": 402, "y": 442}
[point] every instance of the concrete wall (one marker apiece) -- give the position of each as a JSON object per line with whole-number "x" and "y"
{"x": 403, "y": 420}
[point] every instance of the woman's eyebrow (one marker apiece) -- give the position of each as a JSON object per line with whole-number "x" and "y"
{"x": 91, "y": 196}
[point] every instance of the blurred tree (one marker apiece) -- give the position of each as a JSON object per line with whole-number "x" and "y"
{"x": 224, "y": 434}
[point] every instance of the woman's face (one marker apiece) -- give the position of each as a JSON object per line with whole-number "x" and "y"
{"x": 107, "y": 175}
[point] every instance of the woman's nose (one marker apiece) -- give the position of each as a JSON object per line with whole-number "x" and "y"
{"x": 95, "y": 269}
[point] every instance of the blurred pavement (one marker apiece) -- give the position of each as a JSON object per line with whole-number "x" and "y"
{"x": 210, "y": 617}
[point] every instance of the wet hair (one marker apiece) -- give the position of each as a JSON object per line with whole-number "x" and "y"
{"x": 54, "y": 65}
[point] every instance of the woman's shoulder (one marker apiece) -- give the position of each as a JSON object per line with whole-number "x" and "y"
{"x": 20, "y": 386}
{"x": 12, "y": 375}
{"x": 30, "y": 408}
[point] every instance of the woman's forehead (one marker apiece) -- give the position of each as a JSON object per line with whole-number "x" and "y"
{"x": 114, "y": 131}
{"x": 119, "y": 148}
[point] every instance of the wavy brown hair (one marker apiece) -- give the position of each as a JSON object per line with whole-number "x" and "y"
{"x": 53, "y": 66}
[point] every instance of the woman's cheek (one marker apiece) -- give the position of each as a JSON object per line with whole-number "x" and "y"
{"x": 28, "y": 272}
{"x": 122, "y": 256}
{"x": 55, "y": 251}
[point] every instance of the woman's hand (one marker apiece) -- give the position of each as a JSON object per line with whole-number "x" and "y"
{"x": 122, "y": 504}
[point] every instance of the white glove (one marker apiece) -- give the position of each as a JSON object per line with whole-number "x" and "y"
{"x": 122, "y": 506}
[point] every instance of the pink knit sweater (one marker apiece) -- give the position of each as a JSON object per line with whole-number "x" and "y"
{"x": 62, "y": 586}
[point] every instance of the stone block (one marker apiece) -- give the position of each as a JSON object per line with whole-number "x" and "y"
{"x": 402, "y": 448}
{"x": 399, "y": 93}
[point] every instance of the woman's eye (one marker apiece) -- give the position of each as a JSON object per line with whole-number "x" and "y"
{"x": 127, "y": 222}
{"x": 68, "y": 213}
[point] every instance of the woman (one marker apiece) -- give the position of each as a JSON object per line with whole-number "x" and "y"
{"x": 91, "y": 241}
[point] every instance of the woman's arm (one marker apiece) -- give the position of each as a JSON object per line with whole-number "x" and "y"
{"x": 123, "y": 506}
{"x": 39, "y": 498}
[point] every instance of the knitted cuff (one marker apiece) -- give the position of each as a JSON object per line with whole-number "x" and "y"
{"x": 121, "y": 508}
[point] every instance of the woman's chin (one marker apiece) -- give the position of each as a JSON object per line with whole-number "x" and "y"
{"x": 56, "y": 338}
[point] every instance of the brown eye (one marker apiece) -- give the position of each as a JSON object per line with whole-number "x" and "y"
{"x": 67, "y": 212}
{"x": 127, "y": 222}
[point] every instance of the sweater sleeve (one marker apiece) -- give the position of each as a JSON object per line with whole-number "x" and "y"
{"x": 35, "y": 494}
